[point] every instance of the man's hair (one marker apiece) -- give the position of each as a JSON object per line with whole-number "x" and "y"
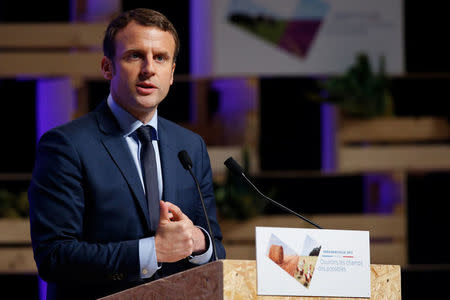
{"x": 142, "y": 16}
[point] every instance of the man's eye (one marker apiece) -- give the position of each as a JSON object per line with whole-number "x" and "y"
{"x": 134, "y": 56}
{"x": 160, "y": 58}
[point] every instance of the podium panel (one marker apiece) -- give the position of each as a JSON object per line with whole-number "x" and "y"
{"x": 236, "y": 279}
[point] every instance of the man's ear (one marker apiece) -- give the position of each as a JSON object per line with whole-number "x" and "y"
{"x": 107, "y": 68}
{"x": 173, "y": 71}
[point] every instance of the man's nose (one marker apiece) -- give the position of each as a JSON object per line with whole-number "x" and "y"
{"x": 148, "y": 67}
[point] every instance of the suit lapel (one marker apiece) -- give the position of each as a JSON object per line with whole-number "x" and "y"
{"x": 169, "y": 160}
{"x": 117, "y": 147}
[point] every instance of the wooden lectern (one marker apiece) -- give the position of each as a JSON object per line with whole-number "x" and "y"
{"x": 236, "y": 279}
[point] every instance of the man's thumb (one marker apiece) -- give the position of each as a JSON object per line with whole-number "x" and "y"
{"x": 163, "y": 211}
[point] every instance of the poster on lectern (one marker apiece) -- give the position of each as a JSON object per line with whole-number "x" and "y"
{"x": 268, "y": 37}
{"x": 312, "y": 262}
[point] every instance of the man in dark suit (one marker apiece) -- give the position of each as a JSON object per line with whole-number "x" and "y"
{"x": 98, "y": 224}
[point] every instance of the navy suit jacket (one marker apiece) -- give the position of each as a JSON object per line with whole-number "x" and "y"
{"x": 88, "y": 208}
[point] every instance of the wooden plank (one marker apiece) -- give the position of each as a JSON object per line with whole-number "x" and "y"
{"x": 240, "y": 251}
{"x": 380, "y": 226}
{"x": 54, "y": 35}
{"x": 402, "y": 129}
{"x": 14, "y": 231}
{"x": 404, "y": 157}
{"x": 394, "y": 253}
{"x": 30, "y": 64}
{"x": 16, "y": 254}
{"x": 17, "y": 260}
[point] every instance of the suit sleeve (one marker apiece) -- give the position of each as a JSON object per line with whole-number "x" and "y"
{"x": 57, "y": 208}
{"x": 206, "y": 185}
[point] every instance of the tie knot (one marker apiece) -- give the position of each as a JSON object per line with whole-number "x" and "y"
{"x": 146, "y": 134}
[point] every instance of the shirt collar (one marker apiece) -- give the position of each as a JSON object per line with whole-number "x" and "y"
{"x": 128, "y": 124}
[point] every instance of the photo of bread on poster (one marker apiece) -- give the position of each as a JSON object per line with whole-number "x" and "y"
{"x": 301, "y": 267}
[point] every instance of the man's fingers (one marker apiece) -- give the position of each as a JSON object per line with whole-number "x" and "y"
{"x": 176, "y": 212}
{"x": 174, "y": 240}
{"x": 164, "y": 214}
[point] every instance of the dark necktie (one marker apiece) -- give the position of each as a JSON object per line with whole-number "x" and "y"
{"x": 148, "y": 164}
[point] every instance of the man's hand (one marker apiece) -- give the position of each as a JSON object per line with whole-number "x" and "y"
{"x": 176, "y": 237}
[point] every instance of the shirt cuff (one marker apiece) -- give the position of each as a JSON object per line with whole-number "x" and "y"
{"x": 147, "y": 257}
{"x": 204, "y": 257}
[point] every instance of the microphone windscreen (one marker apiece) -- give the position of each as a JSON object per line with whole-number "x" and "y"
{"x": 233, "y": 166}
{"x": 185, "y": 160}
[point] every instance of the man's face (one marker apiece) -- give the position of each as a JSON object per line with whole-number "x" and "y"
{"x": 142, "y": 71}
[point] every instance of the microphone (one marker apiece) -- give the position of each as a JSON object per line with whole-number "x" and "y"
{"x": 186, "y": 162}
{"x": 235, "y": 168}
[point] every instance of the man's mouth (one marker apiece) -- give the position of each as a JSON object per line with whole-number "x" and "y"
{"x": 144, "y": 88}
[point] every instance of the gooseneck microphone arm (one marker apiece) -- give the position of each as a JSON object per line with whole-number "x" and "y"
{"x": 185, "y": 160}
{"x": 235, "y": 168}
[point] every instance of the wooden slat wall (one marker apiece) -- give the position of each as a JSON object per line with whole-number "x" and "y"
{"x": 50, "y": 50}
{"x": 392, "y": 144}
